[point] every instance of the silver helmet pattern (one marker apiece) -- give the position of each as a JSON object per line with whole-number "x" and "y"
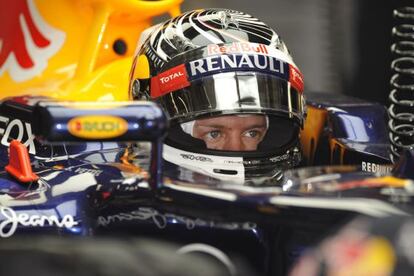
{"x": 231, "y": 89}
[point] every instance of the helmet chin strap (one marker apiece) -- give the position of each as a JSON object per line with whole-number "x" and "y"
{"x": 225, "y": 168}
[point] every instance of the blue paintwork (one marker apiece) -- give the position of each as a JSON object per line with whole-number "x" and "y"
{"x": 358, "y": 127}
{"x": 146, "y": 121}
{"x": 363, "y": 124}
{"x": 105, "y": 195}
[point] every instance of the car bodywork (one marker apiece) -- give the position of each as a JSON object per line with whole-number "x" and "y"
{"x": 110, "y": 186}
{"x": 73, "y": 50}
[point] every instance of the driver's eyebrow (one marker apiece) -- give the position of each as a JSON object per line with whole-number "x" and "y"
{"x": 226, "y": 126}
{"x": 212, "y": 126}
{"x": 256, "y": 126}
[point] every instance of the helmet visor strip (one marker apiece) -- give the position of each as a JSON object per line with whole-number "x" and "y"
{"x": 234, "y": 93}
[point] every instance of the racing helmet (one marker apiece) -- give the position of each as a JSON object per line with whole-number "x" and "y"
{"x": 233, "y": 94}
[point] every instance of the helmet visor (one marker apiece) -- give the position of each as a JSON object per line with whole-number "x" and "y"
{"x": 234, "y": 93}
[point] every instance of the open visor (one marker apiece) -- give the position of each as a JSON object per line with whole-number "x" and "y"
{"x": 233, "y": 93}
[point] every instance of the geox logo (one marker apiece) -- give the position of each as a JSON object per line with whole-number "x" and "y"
{"x": 211, "y": 65}
{"x": 196, "y": 157}
{"x": 11, "y": 129}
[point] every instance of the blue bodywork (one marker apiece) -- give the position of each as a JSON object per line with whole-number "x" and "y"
{"x": 121, "y": 188}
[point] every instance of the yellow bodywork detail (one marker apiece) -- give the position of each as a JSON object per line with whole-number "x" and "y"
{"x": 389, "y": 181}
{"x": 142, "y": 70}
{"x": 312, "y": 130}
{"x": 334, "y": 147}
{"x": 83, "y": 65}
{"x": 108, "y": 83}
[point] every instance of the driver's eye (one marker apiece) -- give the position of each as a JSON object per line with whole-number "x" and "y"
{"x": 213, "y": 134}
{"x": 252, "y": 133}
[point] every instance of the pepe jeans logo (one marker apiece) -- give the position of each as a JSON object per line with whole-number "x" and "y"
{"x": 97, "y": 126}
{"x": 11, "y": 221}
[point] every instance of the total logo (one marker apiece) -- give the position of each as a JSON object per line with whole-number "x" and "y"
{"x": 171, "y": 77}
{"x": 168, "y": 81}
{"x": 97, "y": 126}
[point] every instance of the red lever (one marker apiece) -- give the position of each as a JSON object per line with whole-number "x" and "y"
{"x": 19, "y": 163}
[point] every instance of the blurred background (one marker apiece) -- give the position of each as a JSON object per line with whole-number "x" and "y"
{"x": 341, "y": 46}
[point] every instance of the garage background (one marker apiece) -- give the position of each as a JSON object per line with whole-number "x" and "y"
{"x": 341, "y": 46}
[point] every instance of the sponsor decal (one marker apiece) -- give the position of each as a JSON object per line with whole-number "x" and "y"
{"x": 280, "y": 158}
{"x": 296, "y": 78}
{"x": 226, "y": 63}
{"x": 91, "y": 171}
{"x": 162, "y": 220}
{"x": 11, "y": 221}
{"x": 398, "y": 196}
{"x": 25, "y": 51}
{"x": 234, "y": 162}
{"x": 349, "y": 254}
{"x": 168, "y": 81}
{"x": 196, "y": 157}
{"x": 24, "y": 131}
{"x": 237, "y": 47}
{"x": 94, "y": 172}
{"x": 97, "y": 126}
{"x": 181, "y": 76}
{"x": 375, "y": 168}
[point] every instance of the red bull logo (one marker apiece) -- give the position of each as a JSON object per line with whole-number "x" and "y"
{"x": 26, "y": 40}
{"x": 237, "y": 47}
